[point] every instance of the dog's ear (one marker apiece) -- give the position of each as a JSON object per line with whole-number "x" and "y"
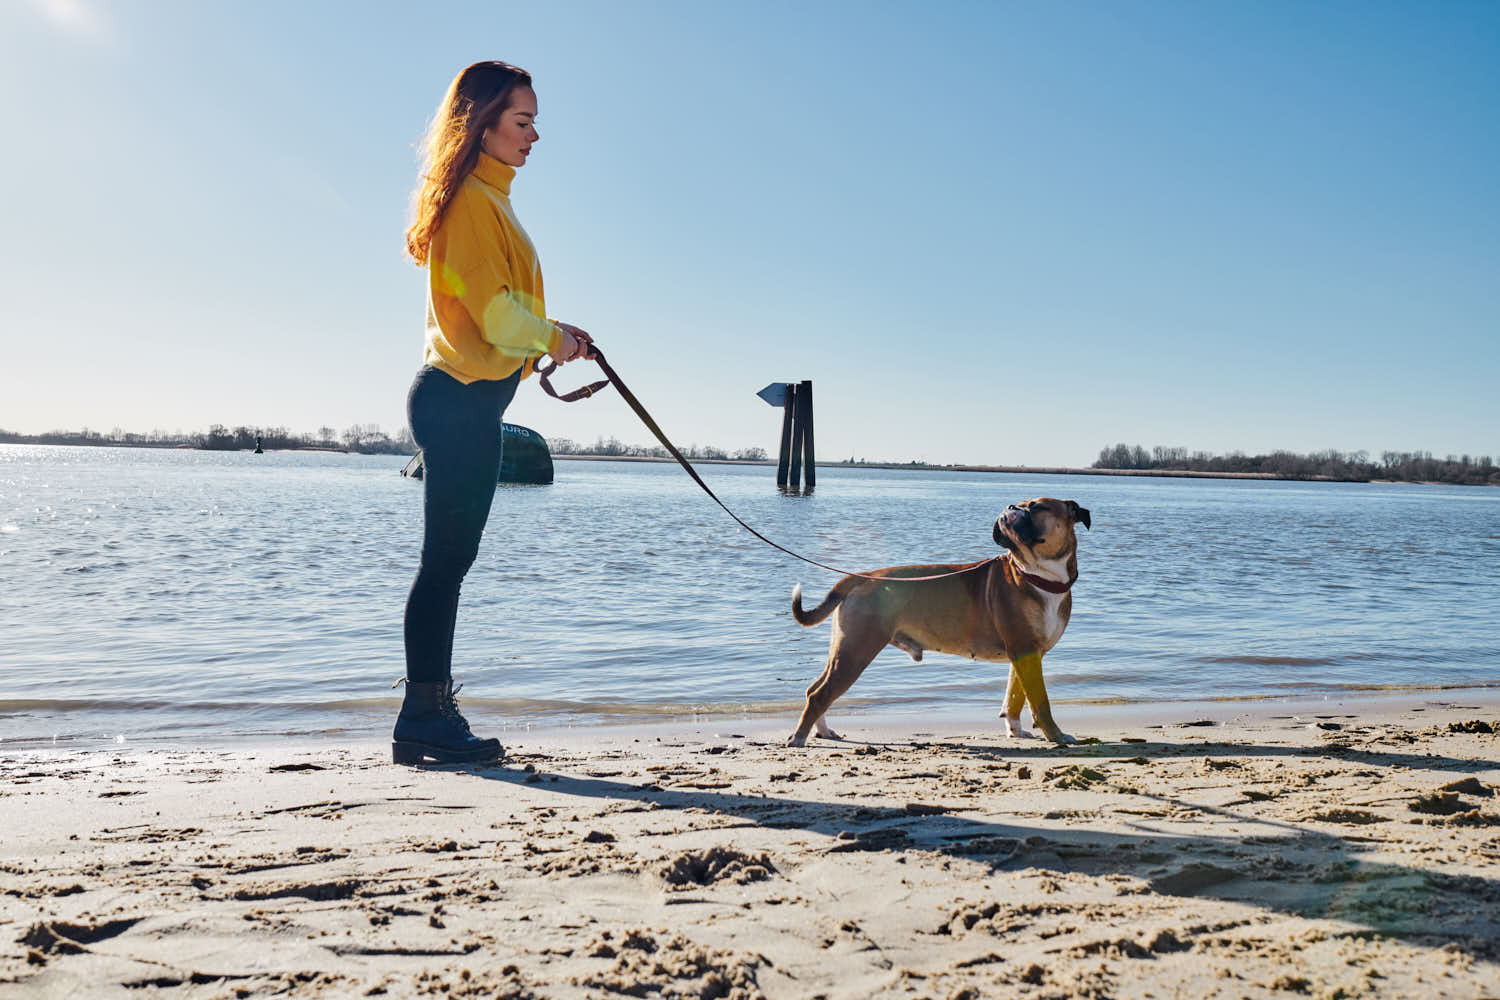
{"x": 1080, "y": 514}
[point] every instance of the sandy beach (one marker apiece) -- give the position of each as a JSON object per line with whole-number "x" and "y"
{"x": 1217, "y": 851}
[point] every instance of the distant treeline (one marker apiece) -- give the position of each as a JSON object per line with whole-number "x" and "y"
{"x": 1357, "y": 466}
{"x": 614, "y": 448}
{"x": 369, "y": 439}
{"x": 366, "y": 439}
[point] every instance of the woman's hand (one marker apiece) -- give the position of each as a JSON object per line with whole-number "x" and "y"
{"x": 575, "y": 344}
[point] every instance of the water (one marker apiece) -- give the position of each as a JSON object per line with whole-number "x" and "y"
{"x": 184, "y": 595}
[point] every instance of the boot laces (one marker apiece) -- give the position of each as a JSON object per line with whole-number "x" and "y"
{"x": 448, "y": 705}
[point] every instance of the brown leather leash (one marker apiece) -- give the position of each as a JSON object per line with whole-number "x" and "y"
{"x": 612, "y": 378}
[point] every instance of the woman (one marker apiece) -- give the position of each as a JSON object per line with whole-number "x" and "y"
{"x": 486, "y": 327}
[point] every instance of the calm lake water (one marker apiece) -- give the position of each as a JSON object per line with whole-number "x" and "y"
{"x": 184, "y": 595}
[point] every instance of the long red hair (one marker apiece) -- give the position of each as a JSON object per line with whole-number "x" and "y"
{"x": 474, "y": 102}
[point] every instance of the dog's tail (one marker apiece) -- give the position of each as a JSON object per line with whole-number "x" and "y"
{"x": 815, "y": 615}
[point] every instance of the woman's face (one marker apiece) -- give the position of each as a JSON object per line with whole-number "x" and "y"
{"x": 509, "y": 139}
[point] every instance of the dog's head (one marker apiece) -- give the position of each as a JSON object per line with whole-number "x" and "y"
{"x": 1040, "y": 531}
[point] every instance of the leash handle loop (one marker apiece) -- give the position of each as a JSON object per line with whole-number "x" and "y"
{"x": 545, "y": 377}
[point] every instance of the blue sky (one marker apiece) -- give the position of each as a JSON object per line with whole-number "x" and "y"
{"x": 988, "y": 232}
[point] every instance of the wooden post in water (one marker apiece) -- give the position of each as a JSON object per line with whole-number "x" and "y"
{"x": 794, "y": 477}
{"x": 784, "y": 455}
{"x": 795, "y": 400}
{"x": 805, "y": 427}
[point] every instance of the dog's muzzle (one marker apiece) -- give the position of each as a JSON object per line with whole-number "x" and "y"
{"x": 1014, "y": 526}
{"x": 1021, "y": 528}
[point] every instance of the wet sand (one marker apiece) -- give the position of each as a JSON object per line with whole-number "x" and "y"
{"x": 1350, "y": 853}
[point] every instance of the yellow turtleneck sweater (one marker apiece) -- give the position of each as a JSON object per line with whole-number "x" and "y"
{"x": 485, "y": 313}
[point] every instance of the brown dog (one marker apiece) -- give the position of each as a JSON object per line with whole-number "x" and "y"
{"x": 1013, "y": 607}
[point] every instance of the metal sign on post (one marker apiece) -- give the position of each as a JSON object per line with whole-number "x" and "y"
{"x": 775, "y": 393}
{"x": 795, "y": 400}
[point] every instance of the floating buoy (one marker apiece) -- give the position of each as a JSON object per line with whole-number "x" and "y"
{"x": 526, "y": 459}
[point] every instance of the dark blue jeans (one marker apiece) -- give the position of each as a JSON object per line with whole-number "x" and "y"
{"x": 457, "y": 426}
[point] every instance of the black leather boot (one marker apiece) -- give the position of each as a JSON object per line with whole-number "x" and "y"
{"x": 431, "y": 728}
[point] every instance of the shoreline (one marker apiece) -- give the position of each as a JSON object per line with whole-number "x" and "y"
{"x": 1027, "y": 470}
{"x": 1350, "y": 851}
{"x": 367, "y": 720}
{"x": 922, "y": 467}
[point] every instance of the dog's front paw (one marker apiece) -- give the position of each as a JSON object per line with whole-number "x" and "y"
{"x": 1015, "y": 730}
{"x": 1061, "y": 738}
{"x": 795, "y": 740}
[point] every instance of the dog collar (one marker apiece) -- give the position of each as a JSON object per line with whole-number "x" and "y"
{"x": 1042, "y": 583}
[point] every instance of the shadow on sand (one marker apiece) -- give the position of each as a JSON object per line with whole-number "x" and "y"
{"x": 1283, "y": 867}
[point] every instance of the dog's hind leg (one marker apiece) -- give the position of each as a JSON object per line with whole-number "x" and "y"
{"x": 848, "y": 655}
{"x": 1015, "y": 700}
